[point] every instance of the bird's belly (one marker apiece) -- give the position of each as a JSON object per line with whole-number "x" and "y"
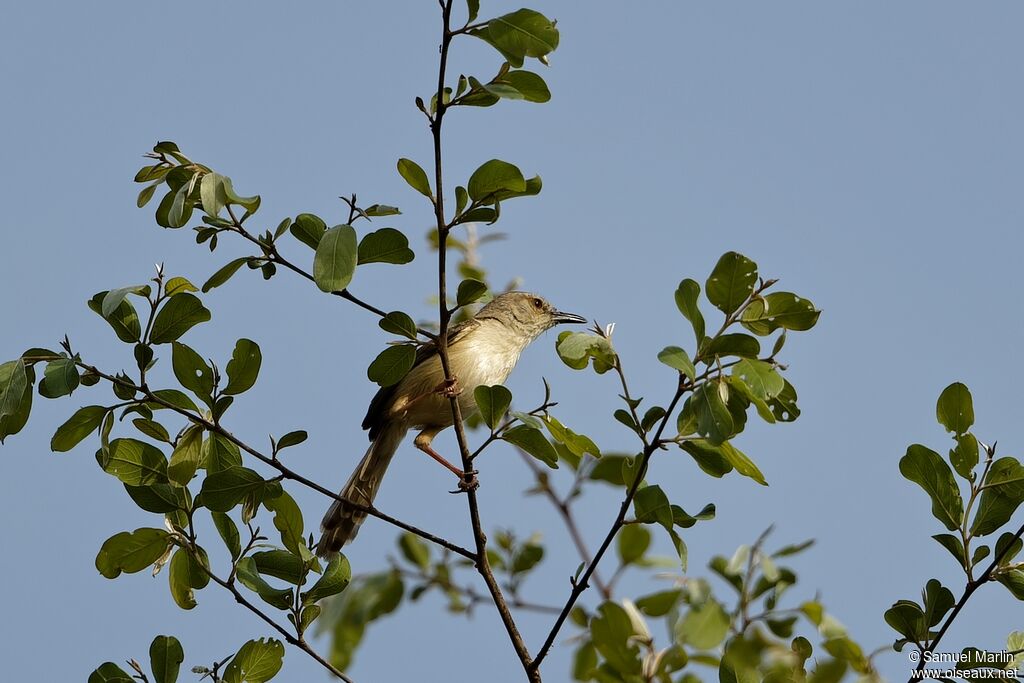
{"x": 431, "y": 408}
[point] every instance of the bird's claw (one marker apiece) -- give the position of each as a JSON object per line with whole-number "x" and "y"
{"x": 467, "y": 482}
{"x": 449, "y": 388}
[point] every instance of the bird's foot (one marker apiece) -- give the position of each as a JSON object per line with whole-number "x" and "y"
{"x": 467, "y": 482}
{"x": 449, "y": 388}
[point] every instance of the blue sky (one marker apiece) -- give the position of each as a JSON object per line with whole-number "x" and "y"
{"x": 869, "y": 154}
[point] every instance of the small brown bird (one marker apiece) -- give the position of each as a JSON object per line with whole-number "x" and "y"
{"x": 481, "y": 351}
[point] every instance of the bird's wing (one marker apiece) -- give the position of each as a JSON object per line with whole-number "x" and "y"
{"x": 381, "y": 402}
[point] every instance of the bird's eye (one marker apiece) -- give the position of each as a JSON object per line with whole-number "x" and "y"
{"x": 537, "y": 303}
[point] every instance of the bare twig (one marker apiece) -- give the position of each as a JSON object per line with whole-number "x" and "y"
{"x": 565, "y": 512}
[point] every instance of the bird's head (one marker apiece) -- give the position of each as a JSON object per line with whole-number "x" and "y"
{"x": 528, "y": 313}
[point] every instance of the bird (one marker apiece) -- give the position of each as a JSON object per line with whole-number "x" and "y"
{"x": 482, "y": 350}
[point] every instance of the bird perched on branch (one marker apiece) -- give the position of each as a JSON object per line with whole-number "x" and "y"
{"x": 481, "y": 351}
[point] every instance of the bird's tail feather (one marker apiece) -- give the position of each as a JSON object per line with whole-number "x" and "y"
{"x": 341, "y": 523}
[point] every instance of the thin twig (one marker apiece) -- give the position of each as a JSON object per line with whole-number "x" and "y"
{"x": 297, "y": 641}
{"x": 482, "y": 564}
{"x": 969, "y": 589}
{"x": 565, "y": 512}
{"x": 580, "y": 584}
{"x": 275, "y": 257}
{"x": 285, "y": 471}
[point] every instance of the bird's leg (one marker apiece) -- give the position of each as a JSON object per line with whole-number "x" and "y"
{"x": 467, "y": 480}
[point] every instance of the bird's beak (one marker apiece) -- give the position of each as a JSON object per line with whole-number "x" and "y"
{"x": 560, "y": 318}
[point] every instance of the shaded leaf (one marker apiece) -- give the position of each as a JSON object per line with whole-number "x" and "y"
{"x": 336, "y": 258}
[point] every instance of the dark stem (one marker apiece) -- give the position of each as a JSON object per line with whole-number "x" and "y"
{"x": 286, "y": 471}
{"x": 582, "y": 582}
{"x": 275, "y": 257}
{"x": 969, "y": 589}
{"x": 482, "y": 564}
{"x": 298, "y": 641}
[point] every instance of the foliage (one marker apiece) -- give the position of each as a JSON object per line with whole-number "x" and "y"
{"x": 175, "y": 458}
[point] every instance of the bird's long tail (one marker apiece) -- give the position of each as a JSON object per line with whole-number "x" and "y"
{"x": 341, "y": 523}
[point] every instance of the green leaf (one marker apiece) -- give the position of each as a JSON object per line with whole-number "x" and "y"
{"x": 677, "y": 358}
{"x": 955, "y": 408}
{"x": 280, "y": 564}
{"x": 469, "y": 291}
{"x": 520, "y": 34}
{"x": 534, "y": 443}
{"x": 177, "y": 285}
{"x": 376, "y": 210}
{"x": 731, "y": 282}
{"x": 964, "y": 456}
{"x": 223, "y": 490}
{"x": 16, "y": 384}
{"x": 520, "y": 85}
{"x": 183, "y": 576}
{"x": 250, "y": 204}
{"x": 633, "y": 542}
{"x": 124, "y": 320}
{"x": 764, "y": 380}
{"x": 176, "y": 317}
{"x": 108, "y": 672}
{"x": 414, "y": 550}
{"x": 224, "y": 274}
{"x": 176, "y": 398}
{"x": 212, "y": 194}
{"x": 134, "y": 462}
{"x": 228, "y": 532}
{"x": 1014, "y": 582}
{"x": 709, "y": 457}
{"x": 165, "y": 658}
{"x": 308, "y": 229}
{"x": 415, "y": 176}
{"x": 714, "y": 421}
{"x": 651, "y": 506}
{"x": 397, "y": 322}
{"x": 686, "y": 300}
{"x": 783, "y": 310}
{"x": 392, "y": 364}
{"x": 386, "y": 245}
{"x": 191, "y": 371}
{"x": 926, "y": 468}
{"x": 244, "y": 366}
{"x": 187, "y": 456}
{"x": 256, "y": 662}
{"x": 336, "y": 257}
{"x": 159, "y": 498}
{"x": 954, "y": 545}
{"x": 493, "y": 403}
{"x": 292, "y": 439}
{"x": 249, "y": 576}
{"x": 1002, "y": 494}
{"x": 288, "y": 520}
{"x": 578, "y": 444}
{"x": 114, "y": 297}
{"x": 473, "y": 8}
{"x": 705, "y": 626}
{"x": 219, "y": 454}
{"x": 78, "y": 426}
{"x": 335, "y": 579}
{"x": 937, "y": 601}
{"x": 577, "y": 348}
{"x": 131, "y": 552}
{"x": 492, "y": 177}
{"x": 742, "y": 345}
{"x": 1007, "y": 548}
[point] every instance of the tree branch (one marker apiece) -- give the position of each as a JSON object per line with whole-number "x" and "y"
{"x": 969, "y": 589}
{"x": 275, "y": 257}
{"x": 482, "y": 564}
{"x": 286, "y": 472}
{"x": 582, "y": 583}
{"x": 565, "y": 512}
